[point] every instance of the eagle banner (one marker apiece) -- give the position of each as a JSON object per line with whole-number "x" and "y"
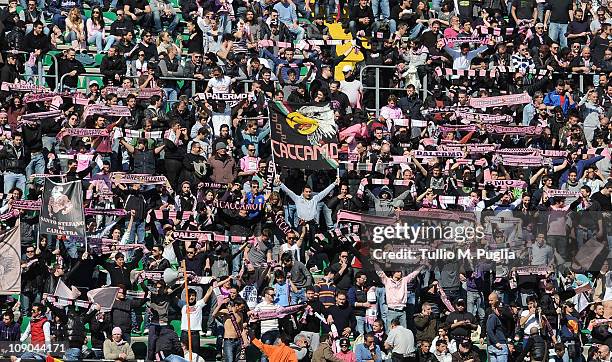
{"x": 304, "y": 136}
{"x": 10, "y": 263}
{"x": 62, "y": 209}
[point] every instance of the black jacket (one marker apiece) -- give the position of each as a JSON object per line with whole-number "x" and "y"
{"x": 168, "y": 342}
{"x": 66, "y": 66}
{"x": 120, "y": 315}
{"x": 33, "y": 42}
{"x": 10, "y": 161}
{"x": 8, "y": 73}
{"x": 75, "y": 323}
{"x": 121, "y": 275}
{"x": 112, "y": 66}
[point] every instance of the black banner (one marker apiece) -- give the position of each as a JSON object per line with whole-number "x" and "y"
{"x": 62, "y": 209}
{"x": 304, "y": 136}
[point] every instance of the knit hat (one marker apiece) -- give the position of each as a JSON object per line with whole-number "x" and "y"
{"x": 117, "y": 330}
{"x": 220, "y": 146}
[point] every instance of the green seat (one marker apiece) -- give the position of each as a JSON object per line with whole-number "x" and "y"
{"x": 98, "y": 57}
{"x": 176, "y": 324}
{"x": 87, "y": 13}
{"x": 110, "y": 16}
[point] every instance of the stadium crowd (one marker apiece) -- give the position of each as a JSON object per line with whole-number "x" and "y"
{"x": 275, "y": 270}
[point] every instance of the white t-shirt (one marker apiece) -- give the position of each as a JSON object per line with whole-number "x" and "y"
{"x": 195, "y": 315}
{"x": 353, "y": 91}
{"x": 531, "y": 322}
{"x": 295, "y": 250}
{"x": 402, "y": 340}
{"x": 270, "y": 324}
{"x": 220, "y": 85}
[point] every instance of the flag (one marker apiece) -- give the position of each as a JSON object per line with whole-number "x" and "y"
{"x": 304, "y": 136}
{"x": 10, "y": 263}
{"x": 62, "y": 209}
{"x": 103, "y": 296}
{"x": 62, "y": 290}
{"x": 52, "y": 359}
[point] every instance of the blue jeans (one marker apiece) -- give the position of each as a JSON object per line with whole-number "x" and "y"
{"x": 12, "y": 180}
{"x": 414, "y": 32}
{"x": 138, "y": 229}
{"x": 497, "y": 355}
{"x": 96, "y": 40}
{"x": 231, "y": 349}
{"x": 27, "y": 299}
{"x": 329, "y": 6}
{"x": 225, "y": 24}
{"x": 362, "y": 326}
{"x": 36, "y": 165}
{"x": 172, "y": 22}
{"x": 72, "y": 354}
{"x": 237, "y": 260}
{"x": 175, "y": 358}
{"x": 298, "y": 31}
{"x": 557, "y": 32}
{"x": 32, "y": 355}
{"x": 38, "y": 70}
{"x": 383, "y": 5}
{"x": 327, "y": 214}
{"x": 298, "y": 297}
{"x": 475, "y": 304}
{"x": 291, "y": 215}
{"x": 59, "y": 20}
{"x": 393, "y": 314}
{"x": 70, "y": 37}
{"x": 392, "y": 26}
{"x": 381, "y": 303}
{"x": 154, "y": 330}
{"x": 171, "y": 95}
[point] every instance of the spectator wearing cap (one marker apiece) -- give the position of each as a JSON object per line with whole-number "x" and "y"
{"x": 116, "y": 347}
{"x": 539, "y": 38}
{"x": 9, "y": 72}
{"x": 351, "y": 86}
{"x": 222, "y": 165}
{"x": 462, "y": 323}
{"x": 345, "y": 354}
{"x": 465, "y": 352}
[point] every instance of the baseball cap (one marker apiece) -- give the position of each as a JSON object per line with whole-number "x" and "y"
{"x": 220, "y": 146}
{"x": 347, "y": 68}
{"x": 539, "y": 25}
{"x": 93, "y": 82}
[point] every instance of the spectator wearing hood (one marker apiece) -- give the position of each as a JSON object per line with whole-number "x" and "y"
{"x": 385, "y": 204}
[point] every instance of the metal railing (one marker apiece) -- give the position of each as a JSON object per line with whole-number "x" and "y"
{"x": 377, "y": 88}
{"x": 39, "y": 65}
